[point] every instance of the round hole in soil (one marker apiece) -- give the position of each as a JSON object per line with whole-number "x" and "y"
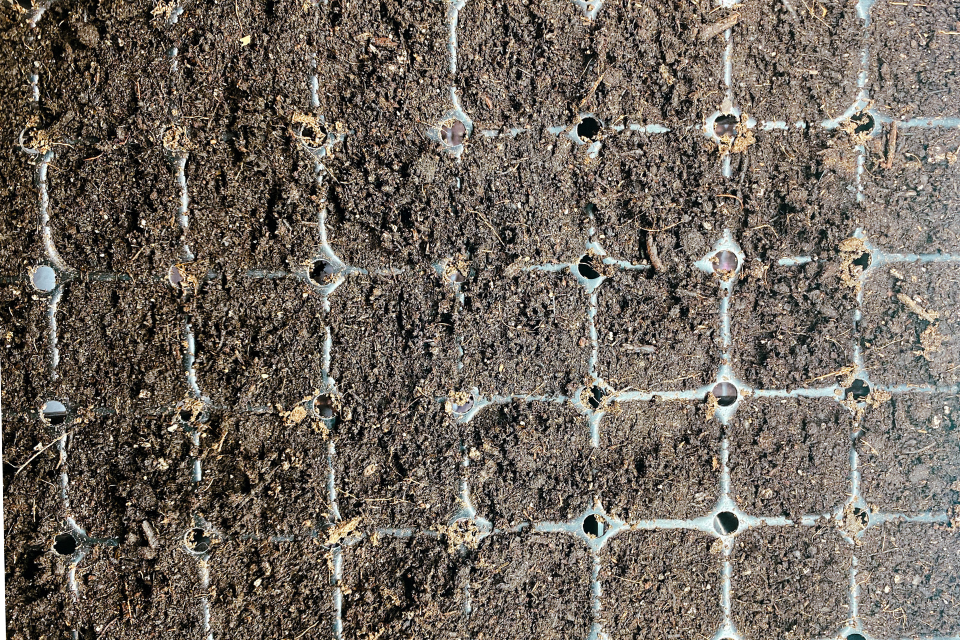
{"x": 44, "y": 278}
{"x": 855, "y": 636}
{"x": 197, "y": 540}
{"x": 175, "y": 276}
{"x": 858, "y": 390}
{"x": 65, "y": 544}
{"x": 186, "y": 415}
{"x": 585, "y": 268}
{"x": 725, "y": 261}
{"x": 588, "y": 129}
{"x": 725, "y": 393}
{"x": 863, "y": 261}
{"x": 862, "y": 516}
{"x": 320, "y": 270}
{"x": 725, "y": 126}
{"x": 323, "y": 405}
{"x": 593, "y": 525}
{"x": 596, "y": 397}
{"x": 461, "y": 409}
{"x": 726, "y": 523}
{"x": 54, "y": 412}
{"x": 453, "y": 133}
{"x": 864, "y": 122}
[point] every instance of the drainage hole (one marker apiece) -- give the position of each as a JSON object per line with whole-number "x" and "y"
{"x": 596, "y": 397}
{"x": 725, "y": 393}
{"x": 588, "y": 129}
{"x": 726, "y": 523}
{"x": 593, "y": 526}
{"x": 464, "y": 406}
{"x": 320, "y": 270}
{"x": 858, "y": 390}
{"x": 54, "y": 412}
{"x": 864, "y": 123}
{"x": 175, "y": 276}
{"x": 197, "y": 540}
{"x": 726, "y": 126}
{"x": 186, "y": 415}
{"x": 453, "y": 133}
{"x": 585, "y": 268}
{"x": 65, "y": 544}
{"x": 44, "y": 278}
{"x": 864, "y": 260}
{"x": 725, "y": 262}
{"x": 855, "y": 636}
{"x": 862, "y": 516}
{"x": 324, "y": 407}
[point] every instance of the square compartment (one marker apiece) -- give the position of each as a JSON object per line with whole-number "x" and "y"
{"x": 528, "y": 462}
{"x": 657, "y": 459}
{"x": 790, "y": 456}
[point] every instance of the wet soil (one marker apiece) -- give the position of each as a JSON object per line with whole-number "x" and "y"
{"x": 461, "y": 286}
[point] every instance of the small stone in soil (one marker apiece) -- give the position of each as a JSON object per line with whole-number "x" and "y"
{"x": 175, "y": 276}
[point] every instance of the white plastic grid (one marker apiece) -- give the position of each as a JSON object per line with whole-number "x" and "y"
{"x": 338, "y": 270}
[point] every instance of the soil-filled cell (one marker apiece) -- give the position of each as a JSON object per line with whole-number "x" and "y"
{"x": 26, "y": 354}
{"x": 657, "y": 460}
{"x": 125, "y": 469}
{"x": 252, "y": 202}
{"x": 790, "y": 456}
{"x": 792, "y": 325}
{"x": 653, "y": 63}
{"x": 399, "y": 469}
{"x": 910, "y": 580}
{"x": 528, "y": 462}
{"x": 392, "y": 339}
{"x": 909, "y": 454}
{"x": 263, "y": 473}
{"x": 524, "y": 333}
{"x": 655, "y": 333}
{"x": 270, "y": 589}
{"x": 116, "y": 212}
{"x": 660, "y": 584}
{"x": 402, "y": 587}
{"x": 790, "y": 581}
{"x": 524, "y": 64}
{"x": 911, "y": 324}
{"x": 914, "y": 57}
{"x": 911, "y": 186}
{"x": 383, "y": 68}
{"x": 121, "y": 345}
{"x": 534, "y": 584}
{"x": 799, "y": 194}
{"x": 795, "y": 62}
{"x": 259, "y": 341}
{"x": 657, "y": 193}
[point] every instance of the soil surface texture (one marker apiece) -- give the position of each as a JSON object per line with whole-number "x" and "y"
{"x": 446, "y": 320}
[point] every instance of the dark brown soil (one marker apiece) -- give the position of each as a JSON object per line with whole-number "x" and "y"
{"x": 790, "y": 457}
{"x": 792, "y": 62}
{"x": 529, "y": 461}
{"x": 657, "y": 460}
{"x": 656, "y": 333}
{"x": 909, "y": 454}
{"x": 661, "y": 583}
{"x": 406, "y": 587}
{"x": 536, "y": 584}
{"x": 914, "y": 59}
{"x": 901, "y": 346}
{"x": 790, "y": 581}
{"x": 126, "y": 88}
{"x": 909, "y": 580}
